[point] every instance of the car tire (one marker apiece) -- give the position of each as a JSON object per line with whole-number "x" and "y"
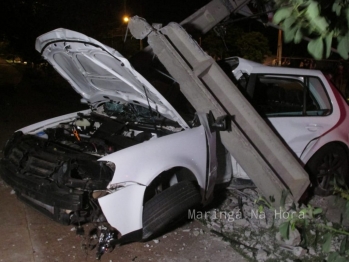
{"x": 168, "y": 206}
{"x": 326, "y": 165}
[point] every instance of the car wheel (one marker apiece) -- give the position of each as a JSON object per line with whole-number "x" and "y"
{"x": 328, "y": 165}
{"x": 168, "y": 206}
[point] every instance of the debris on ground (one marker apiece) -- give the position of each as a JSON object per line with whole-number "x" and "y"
{"x": 260, "y": 232}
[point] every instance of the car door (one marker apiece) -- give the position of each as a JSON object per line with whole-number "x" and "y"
{"x": 298, "y": 108}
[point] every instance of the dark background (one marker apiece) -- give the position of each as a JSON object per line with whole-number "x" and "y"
{"x": 22, "y": 21}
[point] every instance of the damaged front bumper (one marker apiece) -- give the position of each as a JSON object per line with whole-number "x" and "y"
{"x": 54, "y": 179}
{"x": 123, "y": 209}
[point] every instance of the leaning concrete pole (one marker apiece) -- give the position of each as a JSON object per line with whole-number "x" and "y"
{"x": 208, "y": 16}
{"x": 259, "y": 151}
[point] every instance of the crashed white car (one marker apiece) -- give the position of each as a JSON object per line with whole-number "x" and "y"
{"x": 307, "y": 111}
{"x": 131, "y": 159}
{"x": 135, "y": 161}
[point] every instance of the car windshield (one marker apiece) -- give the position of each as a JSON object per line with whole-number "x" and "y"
{"x": 131, "y": 112}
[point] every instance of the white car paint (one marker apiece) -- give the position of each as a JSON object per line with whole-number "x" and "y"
{"x": 305, "y": 135}
{"x": 185, "y": 149}
{"x": 99, "y": 73}
{"x": 138, "y": 165}
{"x": 124, "y": 208}
{"x": 143, "y": 162}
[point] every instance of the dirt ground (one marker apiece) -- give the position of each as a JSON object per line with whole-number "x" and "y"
{"x": 27, "y": 235}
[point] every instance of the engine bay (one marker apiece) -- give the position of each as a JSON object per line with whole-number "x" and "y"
{"x": 110, "y": 128}
{"x": 56, "y": 169}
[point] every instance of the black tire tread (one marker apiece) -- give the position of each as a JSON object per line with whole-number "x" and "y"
{"x": 168, "y": 205}
{"x": 315, "y": 161}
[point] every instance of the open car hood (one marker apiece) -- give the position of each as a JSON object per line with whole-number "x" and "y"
{"x": 99, "y": 73}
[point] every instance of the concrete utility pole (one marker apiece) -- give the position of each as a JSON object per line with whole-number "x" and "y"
{"x": 258, "y": 150}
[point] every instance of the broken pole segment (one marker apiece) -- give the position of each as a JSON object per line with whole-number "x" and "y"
{"x": 208, "y": 16}
{"x": 258, "y": 150}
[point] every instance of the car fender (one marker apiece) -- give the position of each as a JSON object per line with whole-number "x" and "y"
{"x": 138, "y": 165}
{"x": 143, "y": 162}
{"x": 123, "y": 209}
{"x": 338, "y": 133}
{"x": 317, "y": 144}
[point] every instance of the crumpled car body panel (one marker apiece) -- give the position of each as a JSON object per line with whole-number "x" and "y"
{"x": 142, "y": 163}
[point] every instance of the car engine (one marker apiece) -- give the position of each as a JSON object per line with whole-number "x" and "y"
{"x": 57, "y": 169}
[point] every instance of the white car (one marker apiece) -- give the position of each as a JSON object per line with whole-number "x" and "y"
{"x": 308, "y": 113}
{"x": 135, "y": 161}
{"x": 130, "y": 159}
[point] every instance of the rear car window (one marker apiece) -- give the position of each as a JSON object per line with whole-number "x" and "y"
{"x": 276, "y": 96}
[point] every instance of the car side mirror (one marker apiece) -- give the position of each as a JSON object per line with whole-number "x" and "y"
{"x": 222, "y": 123}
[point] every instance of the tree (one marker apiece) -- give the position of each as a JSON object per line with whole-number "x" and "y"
{"x": 235, "y": 42}
{"x": 325, "y": 22}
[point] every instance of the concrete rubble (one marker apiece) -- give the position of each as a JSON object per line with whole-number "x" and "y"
{"x": 239, "y": 219}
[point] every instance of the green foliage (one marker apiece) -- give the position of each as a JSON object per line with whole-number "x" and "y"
{"x": 308, "y": 219}
{"x": 315, "y": 48}
{"x": 282, "y": 14}
{"x": 320, "y": 20}
{"x": 344, "y": 247}
{"x": 335, "y": 257}
{"x": 343, "y": 46}
{"x": 326, "y": 246}
{"x": 284, "y": 229}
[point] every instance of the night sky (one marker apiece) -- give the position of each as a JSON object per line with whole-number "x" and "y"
{"x": 22, "y": 21}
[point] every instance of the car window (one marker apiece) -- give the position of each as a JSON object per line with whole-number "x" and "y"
{"x": 276, "y": 96}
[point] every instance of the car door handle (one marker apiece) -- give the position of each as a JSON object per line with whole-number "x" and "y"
{"x": 313, "y": 127}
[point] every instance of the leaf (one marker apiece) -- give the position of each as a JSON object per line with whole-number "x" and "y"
{"x": 313, "y": 10}
{"x": 284, "y": 195}
{"x": 260, "y": 209}
{"x": 289, "y": 21}
{"x": 326, "y": 246}
{"x": 281, "y": 14}
{"x": 332, "y": 257}
{"x": 317, "y": 211}
{"x": 284, "y": 230}
{"x": 336, "y": 7}
{"x": 341, "y": 259}
{"x": 342, "y": 47}
{"x": 310, "y": 211}
{"x": 320, "y": 23}
{"x": 293, "y": 224}
{"x": 298, "y": 36}
{"x": 305, "y": 239}
{"x": 328, "y": 41}
{"x": 316, "y": 48}
{"x": 343, "y": 246}
{"x": 303, "y": 211}
{"x": 289, "y": 34}
{"x": 335, "y": 257}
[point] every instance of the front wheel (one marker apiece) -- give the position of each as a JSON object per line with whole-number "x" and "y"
{"x": 328, "y": 166}
{"x": 168, "y": 206}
